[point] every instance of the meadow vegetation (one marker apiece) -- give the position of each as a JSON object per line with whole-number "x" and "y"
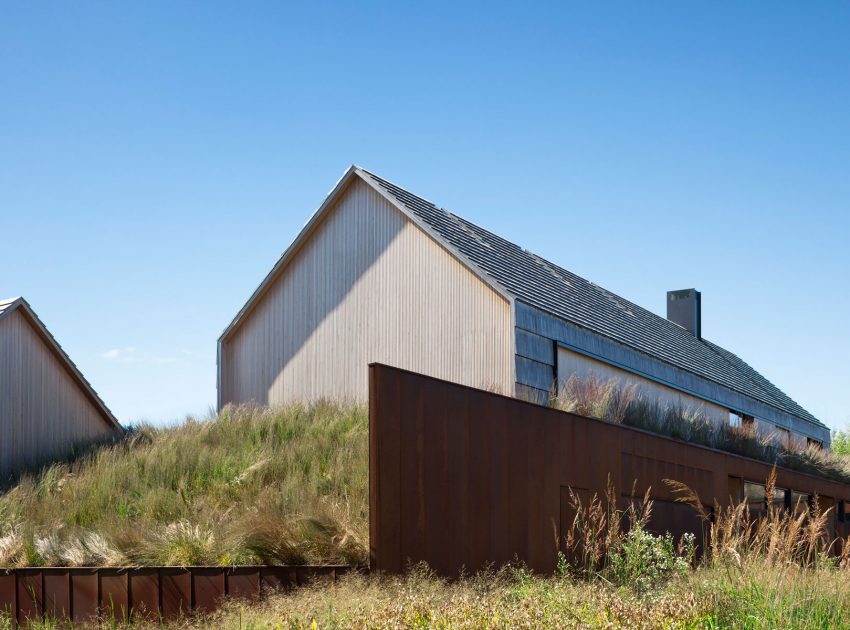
{"x": 283, "y": 486}
{"x": 289, "y": 486}
{"x": 776, "y": 571}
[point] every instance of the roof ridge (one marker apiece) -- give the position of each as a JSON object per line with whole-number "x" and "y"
{"x": 552, "y": 288}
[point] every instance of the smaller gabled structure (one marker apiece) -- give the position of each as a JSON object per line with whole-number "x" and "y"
{"x": 46, "y": 405}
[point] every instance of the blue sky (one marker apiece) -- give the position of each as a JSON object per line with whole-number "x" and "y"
{"x": 158, "y": 157}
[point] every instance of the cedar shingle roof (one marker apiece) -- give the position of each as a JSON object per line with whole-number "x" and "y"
{"x": 549, "y": 287}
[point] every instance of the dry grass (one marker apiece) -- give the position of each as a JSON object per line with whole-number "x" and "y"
{"x": 282, "y": 486}
{"x": 289, "y": 486}
{"x": 609, "y": 400}
{"x": 770, "y": 572}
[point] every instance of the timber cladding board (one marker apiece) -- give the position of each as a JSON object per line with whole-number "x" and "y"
{"x": 460, "y": 478}
{"x": 578, "y": 339}
{"x": 535, "y": 347}
{"x": 534, "y": 374}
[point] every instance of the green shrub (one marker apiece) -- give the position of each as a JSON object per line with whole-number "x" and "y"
{"x": 644, "y": 561}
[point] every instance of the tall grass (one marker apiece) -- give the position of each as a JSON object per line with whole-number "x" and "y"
{"x": 284, "y": 486}
{"x": 766, "y": 571}
{"x": 289, "y": 485}
{"x": 609, "y": 400}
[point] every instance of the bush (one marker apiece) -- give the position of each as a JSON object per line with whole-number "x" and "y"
{"x": 644, "y": 561}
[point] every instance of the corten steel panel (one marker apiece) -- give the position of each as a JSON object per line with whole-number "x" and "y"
{"x": 176, "y": 596}
{"x": 8, "y": 592}
{"x": 114, "y": 594}
{"x": 459, "y": 477}
{"x": 480, "y": 434}
{"x": 277, "y": 579}
{"x": 441, "y": 493}
{"x": 384, "y": 464}
{"x": 499, "y": 487}
{"x": 243, "y": 582}
{"x": 207, "y": 588}
{"x": 84, "y": 595}
{"x": 57, "y": 594}
{"x": 315, "y": 575}
{"x": 29, "y": 595}
{"x": 516, "y": 448}
{"x": 411, "y": 472}
{"x": 144, "y": 593}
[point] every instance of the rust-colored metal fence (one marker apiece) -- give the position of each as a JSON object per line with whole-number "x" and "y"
{"x": 82, "y": 595}
{"x": 460, "y": 478}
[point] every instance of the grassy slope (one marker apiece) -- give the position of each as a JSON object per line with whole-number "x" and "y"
{"x": 281, "y": 486}
{"x": 290, "y": 486}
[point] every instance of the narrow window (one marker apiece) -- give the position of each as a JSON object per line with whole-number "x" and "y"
{"x": 813, "y": 442}
{"x": 754, "y": 493}
{"x": 736, "y": 420}
{"x": 799, "y": 501}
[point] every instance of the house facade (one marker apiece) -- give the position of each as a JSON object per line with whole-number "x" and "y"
{"x": 46, "y": 406}
{"x": 379, "y": 274}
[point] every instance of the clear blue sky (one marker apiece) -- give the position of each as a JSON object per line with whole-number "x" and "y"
{"x": 157, "y": 157}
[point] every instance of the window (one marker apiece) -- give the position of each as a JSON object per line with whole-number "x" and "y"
{"x": 754, "y": 494}
{"x": 799, "y": 501}
{"x": 740, "y": 420}
{"x": 783, "y": 436}
{"x": 813, "y": 442}
{"x": 779, "y": 498}
{"x": 756, "y": 499}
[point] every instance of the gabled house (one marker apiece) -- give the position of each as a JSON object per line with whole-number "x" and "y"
{"x": 46, "y": 406}
{"x": 379, "y": 274}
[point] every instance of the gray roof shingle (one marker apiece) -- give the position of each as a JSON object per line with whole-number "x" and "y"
{"x": 549, "y": 287}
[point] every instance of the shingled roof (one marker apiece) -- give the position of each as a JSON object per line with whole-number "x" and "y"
{"x": 551, "y": 288}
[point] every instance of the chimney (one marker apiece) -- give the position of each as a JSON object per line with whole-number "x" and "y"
{"x": 683, "y": 308}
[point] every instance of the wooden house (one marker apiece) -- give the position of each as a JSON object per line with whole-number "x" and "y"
{"x": 379, "y": 274}
{"x": 46, "y": 406}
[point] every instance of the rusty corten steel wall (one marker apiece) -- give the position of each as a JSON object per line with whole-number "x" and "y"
{"x": 460, "y": 477}
{"x": 84, "y": 594}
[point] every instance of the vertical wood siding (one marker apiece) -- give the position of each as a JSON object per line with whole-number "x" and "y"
{"x": 43, "y": 412}
{"x": 367, "y": 286}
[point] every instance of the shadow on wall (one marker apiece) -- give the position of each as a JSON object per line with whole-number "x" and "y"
{"x": 285, "y": 325}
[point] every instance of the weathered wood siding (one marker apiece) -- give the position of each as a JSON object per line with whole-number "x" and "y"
{"x": 43, "y": 410}
{"x": 368, "y": 285}
{"x": 567, "y": 335}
